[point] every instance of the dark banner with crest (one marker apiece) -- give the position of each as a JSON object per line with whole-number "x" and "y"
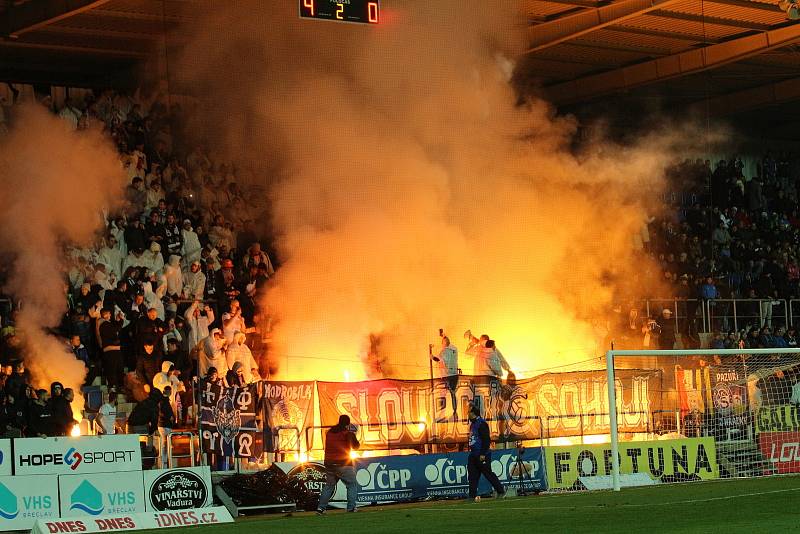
{"x": 228, "y": 420}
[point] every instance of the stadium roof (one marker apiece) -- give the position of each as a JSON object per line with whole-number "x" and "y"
{"x": 729, "y": 56}
{"x": 732, "y": 55}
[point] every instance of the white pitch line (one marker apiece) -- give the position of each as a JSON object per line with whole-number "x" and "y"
{"x": 471, "y": 506}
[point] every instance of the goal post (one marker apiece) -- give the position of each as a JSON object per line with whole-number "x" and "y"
{"x": 745, "y": 401}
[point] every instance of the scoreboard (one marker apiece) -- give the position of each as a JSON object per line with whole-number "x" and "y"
{"x": 361, "y": 11}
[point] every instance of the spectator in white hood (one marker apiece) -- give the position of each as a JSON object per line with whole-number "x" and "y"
{"x": 198, "y": 318}
{"x": 194, "y": 282}
{"x": 191, "y": 244}
{"x": 111, "y": 256}
{"x": 169, "y": 377}
{"x": 212, "y": 353}
{"x": 239, "y": 352}
{"x": 174, "y": 276}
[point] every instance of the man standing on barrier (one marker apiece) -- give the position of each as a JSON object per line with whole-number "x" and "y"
{"x": 448, "y": 362}
{"x": 479, "y": 460}
{"x": 339, "y": 442}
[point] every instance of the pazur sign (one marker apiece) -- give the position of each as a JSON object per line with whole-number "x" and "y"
{"x": 87, "y": 454}
{"x": 144, "y": 521}
{"x": 24, "y": 500}
{"x": 668, "y": 460}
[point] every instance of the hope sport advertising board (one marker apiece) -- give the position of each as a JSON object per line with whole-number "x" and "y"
{"x": 667, "y": 460}
{"x": 24, "y": 500}
{"x": 67, "y": 455}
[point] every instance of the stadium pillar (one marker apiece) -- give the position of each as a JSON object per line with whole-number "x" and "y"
{"x": 612, "y": 419}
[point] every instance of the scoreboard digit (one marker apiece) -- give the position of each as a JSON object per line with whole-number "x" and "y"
{"x": 358, "y": 11}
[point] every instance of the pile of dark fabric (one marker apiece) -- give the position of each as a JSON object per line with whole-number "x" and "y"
{"x": 271, "y": 486}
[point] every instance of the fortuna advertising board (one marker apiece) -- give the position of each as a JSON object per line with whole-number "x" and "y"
{"x": 67, "y": 456}
{"x": 98, "y": 494}
{"x": 144, "y": 521}
{"x": 24, "y": 500}
{"x": 679, "y": 459}
{"x": 178, "y": 489}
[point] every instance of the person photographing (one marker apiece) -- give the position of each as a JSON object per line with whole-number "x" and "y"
{"x": 479, "y": 460}
{"x": 339, "y": 442}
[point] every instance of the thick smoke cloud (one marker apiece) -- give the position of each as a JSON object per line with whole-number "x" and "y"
{"x": 55, "y": 183}
{"x": 415, "y": 191}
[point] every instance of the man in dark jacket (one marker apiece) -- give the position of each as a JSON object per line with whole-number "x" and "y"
{"x": 339, "y": 442}
{"x": 166, "y": 422}
{"x": 61, "y": 407}
{"x": 144, "y": 417}
{"x": 148, "y": 364}
{"x": 479, "y": 460}
{"x": 39, "y": 416}
{"x": 111, "y": 345}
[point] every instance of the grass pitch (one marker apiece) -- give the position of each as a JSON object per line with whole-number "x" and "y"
{"x": 756, "y": 505}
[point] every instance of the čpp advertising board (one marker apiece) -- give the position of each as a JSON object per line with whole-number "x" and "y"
{"x": 80, "y": 455}
{"x": 98, "y": 494}
{"x": 24, "y": 500}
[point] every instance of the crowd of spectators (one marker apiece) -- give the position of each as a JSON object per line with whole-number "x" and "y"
{"x": 170, "y": 289}
{"x": 724, "y": 233}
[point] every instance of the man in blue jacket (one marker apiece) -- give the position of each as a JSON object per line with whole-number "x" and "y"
{"x": 480, "y": 457}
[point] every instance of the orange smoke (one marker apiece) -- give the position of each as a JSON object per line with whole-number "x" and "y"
{"x": 415, "y": 192}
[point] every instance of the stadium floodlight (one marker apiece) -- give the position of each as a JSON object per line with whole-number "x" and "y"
{"x": 744, "y": 401}
{"x": 791, "y": 7}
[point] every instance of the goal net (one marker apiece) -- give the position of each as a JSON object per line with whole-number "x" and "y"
{"x": 713, "y": 414}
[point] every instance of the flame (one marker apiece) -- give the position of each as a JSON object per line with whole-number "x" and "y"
{"x": 76, "y": 430}
{"x": 353, "y": 455}
{"x": 347, "y": 375}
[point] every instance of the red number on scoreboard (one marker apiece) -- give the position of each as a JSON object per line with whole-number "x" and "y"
{"x": 372, "y": 11}
{"x": 310, "y": 5}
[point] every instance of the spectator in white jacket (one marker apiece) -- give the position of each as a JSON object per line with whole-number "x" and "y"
{"x": 238, "y": 351}
{"x": 194, "y": 282}
{"x": 174, "y": 276}
{"x": 212, "y": 353}
{"x": 198, "y": 321}
{"x": 191, "y": 244}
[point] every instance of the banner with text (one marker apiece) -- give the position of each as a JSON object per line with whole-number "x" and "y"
{"x": 416, "y": 476}
{"x": 781, "y": 450}
{"x": 398, "y": 412}
{"x": 101, "y": 494}
{"x": 144, "y": 521}
{"x": 24, "y": 500}
{"x": 289, "y": 408}
{"x": 228, "y": 420}
{"x": 86, "y": 454}
{"x": 178, "y": 489}
{"x": 668, "y": 461}
{"x": 783, "y": 418}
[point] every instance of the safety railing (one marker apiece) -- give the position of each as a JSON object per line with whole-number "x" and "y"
{"x": 389, "y": 445}
{"x": 725, "y": 315}
{"x": 171, "y": 456}
{"x": 279, "y": 450}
